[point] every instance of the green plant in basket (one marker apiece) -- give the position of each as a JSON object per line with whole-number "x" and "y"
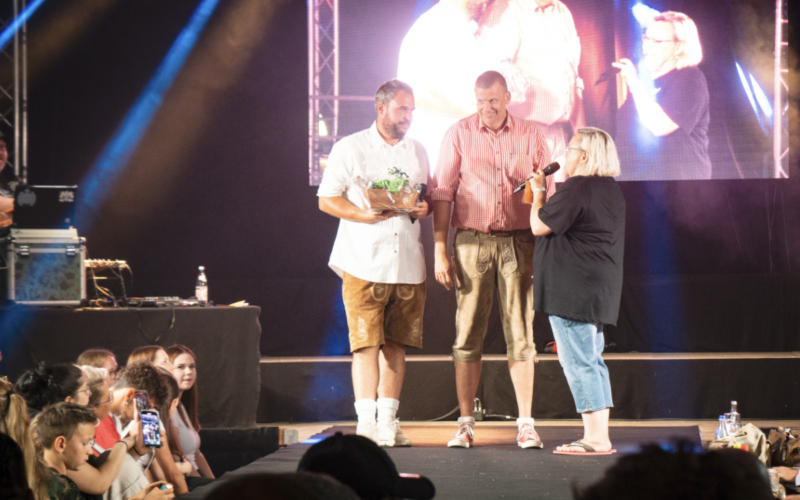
{"x": 393, "y": 185}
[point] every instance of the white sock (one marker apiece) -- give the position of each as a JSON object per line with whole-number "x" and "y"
{"x": 365, "y": 409}
{"x": 521, "y": 421}
{"x": 466, "y": 420}
{"x": 387, "y": 410}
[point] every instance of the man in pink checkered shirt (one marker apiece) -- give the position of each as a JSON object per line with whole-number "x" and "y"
{"x": 483, "y": 158}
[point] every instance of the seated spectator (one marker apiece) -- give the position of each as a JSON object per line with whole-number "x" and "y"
{"x": 185, "y": 419}
{"x": 65, "y": 432}
{"x": 361, "y": 464}
{"x": 13, "y": 482}
{"x": 100, "y": 402}
{"x": 52, "y": 384}
{"x": 153, "y": 354}
{"x": 286, "y": 486}
{"x": 168, "y": 410}
{"x": 657, "y": 474}
{"x": 101, "y": 358}
{"x": 70, "y": 482}
{"x": 8, "y": 183}
{"x": 14, "y": 423}
{"x": 146, "y": 377}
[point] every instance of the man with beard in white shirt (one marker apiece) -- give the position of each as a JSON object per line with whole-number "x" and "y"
{"x": 378, "y": 255}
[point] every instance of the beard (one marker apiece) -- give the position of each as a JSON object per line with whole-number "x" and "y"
{"x": 397, "y": 130}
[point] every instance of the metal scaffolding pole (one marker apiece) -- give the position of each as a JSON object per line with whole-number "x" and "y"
{"x": 780, "y": 139}
{"x": 323, "y": 83}
{"x": 14, "y": 91}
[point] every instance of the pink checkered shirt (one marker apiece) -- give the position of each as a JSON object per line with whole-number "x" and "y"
{"x": 478, "y": 170}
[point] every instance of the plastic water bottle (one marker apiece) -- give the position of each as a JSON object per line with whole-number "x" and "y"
{"x": 736, "y": 419}
{"x": 201, "y": 289}
{"x": 722, "y": 431}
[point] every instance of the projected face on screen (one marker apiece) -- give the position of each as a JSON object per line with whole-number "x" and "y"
{"x": 669, "y": 86}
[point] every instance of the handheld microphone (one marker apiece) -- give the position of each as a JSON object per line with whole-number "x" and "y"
{"x": 608, "y": 75}
{"x": 552, "y": 168}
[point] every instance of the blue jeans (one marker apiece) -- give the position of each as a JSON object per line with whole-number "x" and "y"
{"x": 580, "y": 350}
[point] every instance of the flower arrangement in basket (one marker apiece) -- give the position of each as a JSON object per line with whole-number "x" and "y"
{"x": 394, "y": 193}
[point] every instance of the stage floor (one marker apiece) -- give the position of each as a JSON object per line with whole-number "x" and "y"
{"x": 496, "y": 467}
{"x": 707, "y": 427}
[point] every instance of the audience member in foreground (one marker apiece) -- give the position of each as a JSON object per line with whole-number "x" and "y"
{"x": 65, "y": 432}
{"x": 110, "y": 474}
{"x": 656, "y": 474}
{"x": 100, "y": 403}
{"x": 287, "y": 486}
{"x": 14, "y": 422}
{"x": 146, "y": 377}
{"x": 101, "y": 358}
{"x": 13, "y": 482}
{"x": 185, "y": 419}
{"x": 49, "y": 384}
{"x": 168, "y": 410}
{"x": 361, "y": 464}
{"x": 153, "y": 354}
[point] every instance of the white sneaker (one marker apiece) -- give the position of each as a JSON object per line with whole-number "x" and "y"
{"x": 390, "y": 434}
{"x": 464, "y": 437}
{"x": 368, "y": 430}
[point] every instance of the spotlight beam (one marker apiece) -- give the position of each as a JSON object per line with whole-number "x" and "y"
{"x": 8, "y": 33}
{"x": 106, "y": 170}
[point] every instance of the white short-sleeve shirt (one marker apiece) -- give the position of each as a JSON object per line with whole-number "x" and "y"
{"x": 385, "y": 252}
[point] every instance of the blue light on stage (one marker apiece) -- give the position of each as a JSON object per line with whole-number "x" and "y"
{"x": 315, "y": 440}
{"x": 644, "y": 14}
{"x": 17, "y": 23}
{"x": 102, "y": 176}
{"x": 761, "y": 97}
{"x": 326, "y": 384}
{"x": 750, "y": 96}
{"x": 422, "y": 7}
{"x": 335, "y": 340}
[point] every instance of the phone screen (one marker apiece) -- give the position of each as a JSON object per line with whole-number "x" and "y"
{"x": 142, "y": 401}
{"x": 150, "y": 432}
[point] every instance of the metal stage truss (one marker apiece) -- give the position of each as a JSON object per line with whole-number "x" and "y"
{"x": 780, "y": 113}
{"x": 323, "y": 84}
{"x": 14, "y": 88}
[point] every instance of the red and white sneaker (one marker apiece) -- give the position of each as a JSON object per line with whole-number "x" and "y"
{"x": 464, "y": 436}
{"x": 527, "y": 437}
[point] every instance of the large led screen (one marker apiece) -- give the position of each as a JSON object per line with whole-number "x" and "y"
{"x": 687, "y": 89}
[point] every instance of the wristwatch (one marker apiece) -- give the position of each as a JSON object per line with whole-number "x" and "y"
{"x": 541, "y": 188}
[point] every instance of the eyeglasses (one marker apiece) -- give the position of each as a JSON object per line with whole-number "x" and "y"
{"x": 646, "y": 38}
{"x": 109, "y": 400}
{"x": 566, "y": 151}
{"x": 88, "y": 391}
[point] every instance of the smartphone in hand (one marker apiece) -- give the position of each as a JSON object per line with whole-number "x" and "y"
{"x": 150, "y": 431}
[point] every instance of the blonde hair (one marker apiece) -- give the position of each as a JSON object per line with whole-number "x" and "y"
{"x": 15, "y": 423}
{"x": 601, "y": 152}
{"x": 686, "y": 33}
{"x": 95, "y": 357}
{"x": 96, "y": 378}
